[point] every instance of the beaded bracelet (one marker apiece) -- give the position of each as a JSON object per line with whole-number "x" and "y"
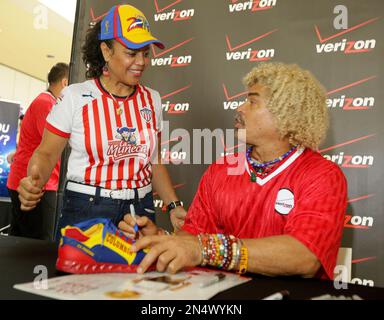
{"x": 203, "y": 250}
{"x": 222, "y": 251}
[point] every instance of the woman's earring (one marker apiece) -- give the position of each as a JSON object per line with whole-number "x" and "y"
{"x": 106, "y": 70}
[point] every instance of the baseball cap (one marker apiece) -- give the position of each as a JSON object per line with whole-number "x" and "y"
{"x": 129, "y": 26}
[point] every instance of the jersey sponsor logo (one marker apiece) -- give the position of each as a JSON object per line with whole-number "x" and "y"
{"x": 171, "y": 60}
{"x": 126, "y": 134}
{"x": 345, "y": 46}
{"x": 285, "y": 201}
{"x": 251, "y": 55}
{"x": 126, "y": 146}
{"x": 146, "y": 113}
{"x": 252, "y": 5}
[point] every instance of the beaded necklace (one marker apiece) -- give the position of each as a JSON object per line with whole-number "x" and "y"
{"x": 263, "y": 168}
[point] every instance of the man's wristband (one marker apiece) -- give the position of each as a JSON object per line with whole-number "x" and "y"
{"x": 174, "y": 204}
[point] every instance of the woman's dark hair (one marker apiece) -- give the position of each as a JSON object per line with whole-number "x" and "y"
{"x": 92, "y": 55}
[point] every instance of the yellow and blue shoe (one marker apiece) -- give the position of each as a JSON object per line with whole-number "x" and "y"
{"x": 96, "y": 246}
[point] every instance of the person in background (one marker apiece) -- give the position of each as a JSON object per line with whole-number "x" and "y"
{"x": 39, "y": 223}
{"x": 108, "y": 173}
{"x": 280, "y": 211}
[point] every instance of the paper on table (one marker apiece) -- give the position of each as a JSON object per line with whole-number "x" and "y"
{"x": 150, "y": 286}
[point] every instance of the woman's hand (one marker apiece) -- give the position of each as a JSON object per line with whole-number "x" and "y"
{"x": 171, "y": 253}
{"x": 146, "y": 226}
{"x": 30, "y": 190}
{"x": 177, "y": 216}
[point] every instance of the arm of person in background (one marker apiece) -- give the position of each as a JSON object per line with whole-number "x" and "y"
{"x": 40, "y": 167}
{"x": 162, "y": 184}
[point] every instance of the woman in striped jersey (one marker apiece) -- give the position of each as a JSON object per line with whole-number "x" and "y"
{"x": 113, "y": 125}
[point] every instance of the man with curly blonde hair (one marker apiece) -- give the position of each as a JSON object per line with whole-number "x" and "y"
{"x": 283, "y": 213}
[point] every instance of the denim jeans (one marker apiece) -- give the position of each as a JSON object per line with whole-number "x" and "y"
{"x": 78, "y": 207}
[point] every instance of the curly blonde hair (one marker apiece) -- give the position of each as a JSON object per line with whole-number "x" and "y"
{"x": 297, "y": 101}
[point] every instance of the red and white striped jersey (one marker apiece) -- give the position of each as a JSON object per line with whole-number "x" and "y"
{"x": 111, "y": 141}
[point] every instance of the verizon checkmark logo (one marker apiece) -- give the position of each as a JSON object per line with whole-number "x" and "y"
{"x": 251, "y": 5}
{"x": 159, "y": 9}
{"x": 172, "y": 61}
{"x": 344, "y": 46}
{"x": 251, "y": 55}
{"x": 351, "y": 103}
{"x": 231, "y": 103}
{"x": 363, "y": 259}
{"x": 358, "y": 222}
{"x": 95, "y": 18}
{"x": 350, "y": 161}
{"x": 175, "y": 108}
{"x": 173, "y": 15}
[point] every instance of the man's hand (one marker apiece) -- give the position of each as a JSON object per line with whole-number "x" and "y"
{"x": 177, "y": 216}
{"x": 172, "y": 253}
{"x": 30, "y": 190}
{"x": 146, "y": 226}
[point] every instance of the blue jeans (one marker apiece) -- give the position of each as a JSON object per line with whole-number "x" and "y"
{"x": 78, "y": 207}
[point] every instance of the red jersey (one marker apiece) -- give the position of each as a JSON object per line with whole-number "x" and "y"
{"x": 31, "y": 133}
{"x": 304, "y": 197}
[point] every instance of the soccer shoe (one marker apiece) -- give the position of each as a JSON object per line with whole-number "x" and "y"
{"x": 96, "y": 246}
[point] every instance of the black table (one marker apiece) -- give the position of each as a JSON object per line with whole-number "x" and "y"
{"x": 19, "y": 257}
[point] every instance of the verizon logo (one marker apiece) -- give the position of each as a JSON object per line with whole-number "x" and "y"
{"x": 175, "y": 15}
{"x": 175, "y": 108}
{"x": 358, "y": 222}
{"x": 232, "y": 105}
{"x": 251, "y": 55}
{"x": 171, "y": 60}
{"x": 179, "y": 61}
{"x": 347, "y": 47}
{"x": 252, "y": 5}
{"x": 175, "y": 157}
{"x": 351, "y": 161}
{"x": 349, "y": 103}
{"x": 363, "y": 282}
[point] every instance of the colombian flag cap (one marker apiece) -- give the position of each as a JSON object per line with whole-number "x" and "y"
{"x": 129, "y": 26}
